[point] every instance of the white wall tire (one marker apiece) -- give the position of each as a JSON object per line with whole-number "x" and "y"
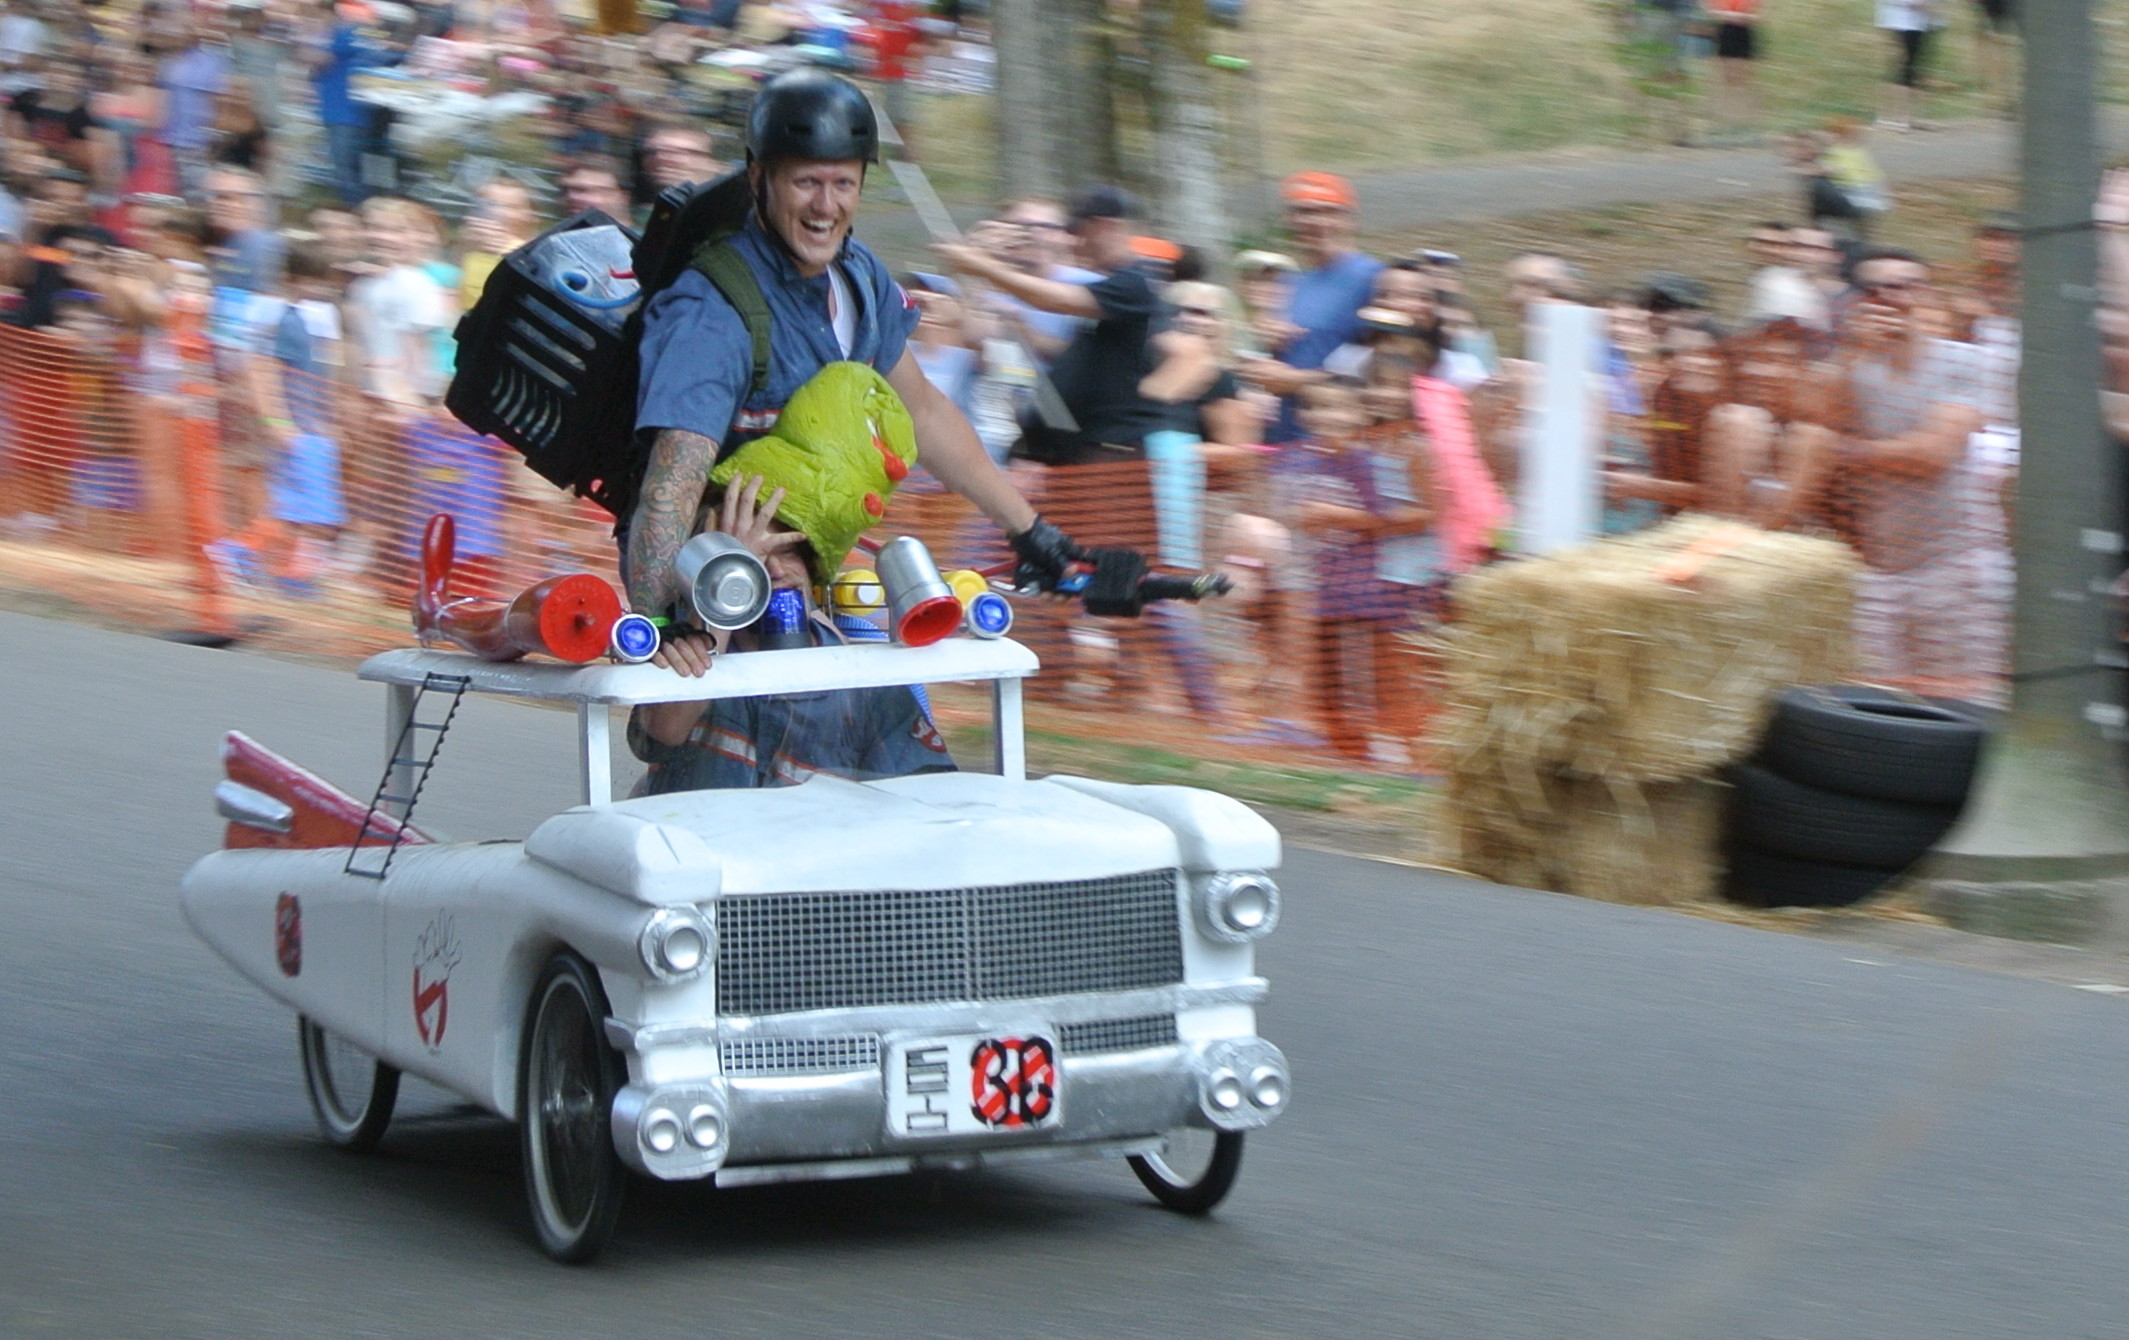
{"x": 567, "y": 1078}
{"x": 351, "y": 1092}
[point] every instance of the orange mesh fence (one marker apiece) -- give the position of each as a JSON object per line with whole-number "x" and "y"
{"x": 180, "y": 500}
{"x": 142, "y": 484}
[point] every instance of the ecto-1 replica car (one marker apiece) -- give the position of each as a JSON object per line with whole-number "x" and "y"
{"x": 832, "y": 979}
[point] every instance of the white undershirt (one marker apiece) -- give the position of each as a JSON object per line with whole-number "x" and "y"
{"x": 842, "y": 310}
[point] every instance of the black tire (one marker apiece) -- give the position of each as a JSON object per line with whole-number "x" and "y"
{"x": 1763, "y": 879}
{"x": 1786, "y": 818}
{"x": 1871, "y": 742}
{"x": 567, "y": 1078}
{"x": 351, "y": 1092}
{"x": 1194, "y": 1182}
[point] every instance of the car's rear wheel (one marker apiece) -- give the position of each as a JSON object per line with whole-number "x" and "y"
{"x": 567, "y": 1078}
{"x": 351, "y": 1092}
{"x": 1193, "y": 1170}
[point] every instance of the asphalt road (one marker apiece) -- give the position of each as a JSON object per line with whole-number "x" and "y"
{"x": 1516, "y": 1114}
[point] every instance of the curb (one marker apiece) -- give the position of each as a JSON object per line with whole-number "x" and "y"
{"x": 2092, "y": 913}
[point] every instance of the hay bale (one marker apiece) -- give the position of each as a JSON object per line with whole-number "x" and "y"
{"x": 1590, "y": 663}
{"x": 1650, "y": 843}
{"x": 1588, "y": 697}
{"x": 1656, "y": 843}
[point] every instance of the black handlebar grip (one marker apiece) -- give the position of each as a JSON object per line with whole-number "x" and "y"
{"x": 1184, "y": 588}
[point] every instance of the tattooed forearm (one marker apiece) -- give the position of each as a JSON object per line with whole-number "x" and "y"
{"x": 673, "y": 485}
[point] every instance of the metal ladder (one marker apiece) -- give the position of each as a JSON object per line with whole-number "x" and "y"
{"x": 384, "y": 827}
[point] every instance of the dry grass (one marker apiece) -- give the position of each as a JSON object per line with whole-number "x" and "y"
{"x": 1618, "y": 245}
{"x": 1363, "y": 85}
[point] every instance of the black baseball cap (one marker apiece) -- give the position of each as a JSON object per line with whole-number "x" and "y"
{"x": 1103, "y": 202}
{"x": 1665, "y": 291}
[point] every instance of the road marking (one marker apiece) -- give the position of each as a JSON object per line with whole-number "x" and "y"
{"x": 1866, "y": 962}
{"x": 2104, "y": 988}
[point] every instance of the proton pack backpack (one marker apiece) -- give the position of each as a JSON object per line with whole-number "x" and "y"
{"x": 547, "y": 359}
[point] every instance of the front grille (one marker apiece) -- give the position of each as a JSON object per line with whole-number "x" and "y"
{"x": 1118, "y": 1035}
{"x": 799, "y": 1056}
{"x": 783, "y": 952}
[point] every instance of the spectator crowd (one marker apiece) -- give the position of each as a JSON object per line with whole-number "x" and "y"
{"x": 232, "y": 290}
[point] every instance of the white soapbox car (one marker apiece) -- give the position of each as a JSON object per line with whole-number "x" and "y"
{"x": 833, "y": 979}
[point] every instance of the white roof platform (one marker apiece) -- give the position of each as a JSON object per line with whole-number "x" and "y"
{"x": 753, "y": 674}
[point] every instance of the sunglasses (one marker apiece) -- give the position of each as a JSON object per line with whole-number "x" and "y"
{"x": 1196, "y": 311}
{"x": 1048, "y": 225}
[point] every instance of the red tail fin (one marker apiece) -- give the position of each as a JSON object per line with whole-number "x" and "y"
{"x": 323, "y": 815}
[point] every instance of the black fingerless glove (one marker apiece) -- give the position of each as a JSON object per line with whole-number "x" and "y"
{"x": 1046, "y": 556}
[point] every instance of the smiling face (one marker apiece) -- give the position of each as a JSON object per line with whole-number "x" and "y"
{"x": 1408, "y": 293}
{"x": 811, "y": 205}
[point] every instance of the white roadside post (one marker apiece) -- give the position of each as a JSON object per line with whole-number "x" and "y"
{"x": 1561, "y": 493}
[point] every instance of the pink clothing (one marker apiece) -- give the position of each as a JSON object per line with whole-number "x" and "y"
{"x": 1470, "y": 508}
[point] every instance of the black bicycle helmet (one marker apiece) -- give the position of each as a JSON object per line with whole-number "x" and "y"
{"x": 812, "y": 114}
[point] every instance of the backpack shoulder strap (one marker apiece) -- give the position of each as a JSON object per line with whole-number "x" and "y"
{"x": 720, "y": 262}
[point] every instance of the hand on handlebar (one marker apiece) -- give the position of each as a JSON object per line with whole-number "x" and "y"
{"x": 1047, "y": 556}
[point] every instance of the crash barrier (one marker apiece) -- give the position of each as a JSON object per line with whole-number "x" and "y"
{"x": 172, "y": 505}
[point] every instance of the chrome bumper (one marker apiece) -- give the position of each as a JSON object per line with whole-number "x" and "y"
{"x": 813, "y": 1127}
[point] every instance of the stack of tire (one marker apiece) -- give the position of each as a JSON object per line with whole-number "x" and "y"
{"x": 1851, "y": 787}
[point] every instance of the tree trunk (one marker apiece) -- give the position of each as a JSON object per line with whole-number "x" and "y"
{"x": 1030, "y": 128}
{"x": 1190, "y": 191}
{"x": 1056, "y": 120}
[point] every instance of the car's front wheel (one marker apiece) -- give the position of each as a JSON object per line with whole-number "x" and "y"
{"x": 1193, "y": 1170}
{"x": 351, "y": 1092}
{"x": 567, "y": 1078}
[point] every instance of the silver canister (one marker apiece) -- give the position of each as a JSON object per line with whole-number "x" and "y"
{"x": 921, "y": 607}
{"x": 726, "y": 584}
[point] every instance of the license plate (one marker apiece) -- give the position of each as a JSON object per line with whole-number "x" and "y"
{"x": 972, "y": 1085}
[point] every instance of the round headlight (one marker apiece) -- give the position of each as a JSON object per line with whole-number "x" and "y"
{"x": 661, "y": 1131}
{"x": 1225, "y": 1091}
{"x": 1267, "y": 1087}
{"x": 705, "y": 1127}
{"x": 684, "y": 949}
{"x": 1240, "y": 906}
{"x": 675, "y": 944}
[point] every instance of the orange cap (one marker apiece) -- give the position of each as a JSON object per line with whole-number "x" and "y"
{"x": 1318, "y": 188}
{"x": 1157, "y": 249}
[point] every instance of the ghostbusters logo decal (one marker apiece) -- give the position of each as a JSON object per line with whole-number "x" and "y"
{"x": 288, "y": 934}
{"x": 436, "y": 953}
{"x": 925, "y": 733}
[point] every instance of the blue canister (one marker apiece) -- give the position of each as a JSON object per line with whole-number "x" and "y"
{"x": 783, "y": 622}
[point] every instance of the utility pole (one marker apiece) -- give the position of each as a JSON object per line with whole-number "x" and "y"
{"x": 2043, "y": 851}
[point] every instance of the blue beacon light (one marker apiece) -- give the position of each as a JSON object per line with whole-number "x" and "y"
{"x": 989, "y": 615}
{"x": 634, "y": 639}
